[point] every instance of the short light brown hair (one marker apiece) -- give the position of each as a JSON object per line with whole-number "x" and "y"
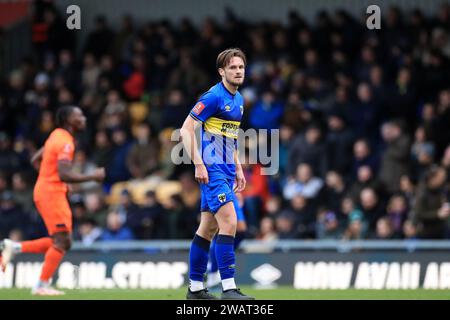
{"x": 223, "y": 59}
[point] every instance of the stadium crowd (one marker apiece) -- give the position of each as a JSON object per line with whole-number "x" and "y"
{"x": 364, "y": 119}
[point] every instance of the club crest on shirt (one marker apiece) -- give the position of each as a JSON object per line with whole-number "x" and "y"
{"x": 222, "y": 197}
{"x": 67, "y": 148}
{"x": 198, "y": 108}
{"x": 227, "y": 108}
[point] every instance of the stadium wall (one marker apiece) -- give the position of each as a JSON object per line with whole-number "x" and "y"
{"x": 397, "y": 265}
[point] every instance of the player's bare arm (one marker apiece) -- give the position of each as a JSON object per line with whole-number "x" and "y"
{"x": 240, "y": 178}
{"x": 37, "y": 157}
{"x": 190, "y": 126}
{"x": 67, "y": 175}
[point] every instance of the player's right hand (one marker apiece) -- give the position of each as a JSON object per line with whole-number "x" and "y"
{"x": 201, "y": 174}
{"x": 99, "y": 174}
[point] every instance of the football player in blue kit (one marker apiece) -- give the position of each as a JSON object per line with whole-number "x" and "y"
{"x": 217, "y": 116}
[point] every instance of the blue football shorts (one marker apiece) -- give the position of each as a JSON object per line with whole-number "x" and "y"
{"x": 218, "y": 192}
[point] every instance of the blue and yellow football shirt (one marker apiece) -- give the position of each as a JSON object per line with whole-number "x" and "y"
{"x": 220, "y": 112}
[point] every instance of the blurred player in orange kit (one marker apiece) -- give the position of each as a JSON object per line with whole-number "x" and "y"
{"x": 50, "y": 198}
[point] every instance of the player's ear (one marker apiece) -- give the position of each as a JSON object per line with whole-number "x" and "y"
{"x": 221, "y": 72}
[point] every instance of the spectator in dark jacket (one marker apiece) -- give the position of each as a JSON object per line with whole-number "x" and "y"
{"x": 371, "y": 207}
{"x": 431, "y": 210}
{"x": 101, "y": 40}
{"x": 308, "y": 148}
{"x": 396, "y": 157}
{"x": 117, "y": 170}
{"x": 363, "y": 156}
{"x": 339, "y": 144}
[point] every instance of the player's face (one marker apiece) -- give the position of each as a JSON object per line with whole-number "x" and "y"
{"x": 234, "y": 72}
{"x": 77, "y": 119}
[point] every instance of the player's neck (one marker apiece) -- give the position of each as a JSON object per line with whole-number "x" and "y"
{"x": 232, "y": 89}
{"x": 69, "y": 129}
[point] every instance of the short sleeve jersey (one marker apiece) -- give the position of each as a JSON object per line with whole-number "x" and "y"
{"x": 59, "y": 146}
{"x": 220, "y": 112}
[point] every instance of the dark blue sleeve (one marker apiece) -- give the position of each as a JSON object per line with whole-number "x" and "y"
{"x": 206, "y": 107}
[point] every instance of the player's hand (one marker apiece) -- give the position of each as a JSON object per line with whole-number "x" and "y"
{"x": 444, "y": 211}
{"x": 99, "y": 174}
{"x": 240, "y": 181}
{"x": 201, "y": 174}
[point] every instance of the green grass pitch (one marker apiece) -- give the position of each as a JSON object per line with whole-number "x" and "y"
{"x": 280, "y": 293}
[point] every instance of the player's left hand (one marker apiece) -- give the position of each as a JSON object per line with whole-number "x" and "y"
{"x": 240, "y": 181}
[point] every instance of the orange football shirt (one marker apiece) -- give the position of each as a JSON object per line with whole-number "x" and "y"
{"x": 59, "y": 146}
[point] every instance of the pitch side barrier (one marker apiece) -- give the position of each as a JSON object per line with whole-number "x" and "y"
{"x": 301, "y": 264}
{"x": 275, "y": 246}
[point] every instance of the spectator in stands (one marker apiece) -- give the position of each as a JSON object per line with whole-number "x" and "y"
{"x": 267, "y": 231}
{"x": 179, "y": 222}
{"x": 9, "y": 160}
{"x": 3, "y": 182}
{"x": 303, "y": 211}
{"x": 384, "y": 230}
{"x": 365, "y": 117}
{"x": 401, "y": 99}
{"x": 22, "y": 191}
{"x": 174, "y": 112}
{"x": 356, "y": 229}
{"x": 142, "y": 158}
{"x": 117, "y": 170}
{"x": 422, "y": 153}
{"x": 445, "y": 162}
{"x": 126, "y": 206}
{"x": 327, "y": 225}
{"x": 102, "y": 151}
{"x": 11, "y": 215}
{"x": 115, "y": 229}
{"x": 82, "y": 165}
{"x": 96, "y": 209}
{"x": 101, "y": 40}
{"x": 334, "y": 191}
{"x": 146, "y": 222}
{"x": 429, "y": 121}
{"x": 267, "y": 112}
{"x": 190, "y": 192}
{"x": 134, "y": 85}
{"x": 90, "y": 73}
{"x": 308, "y": 148}
{"x": 88, "y": 232}
{"x": 365, "y": 179}
{"x": 339, "y": 144}
{"x": 396, "y": 158}
{"x": 378, "y": 85}
{"x": 286, "y": 135}
{"x": 371, "y": 207}
{"x": 363, "y": 156}
{"x": 397, "y": 213}
{"x": 443, "y": 110}
{"x": 304, "y": 184}
{"x": 431, "y": 211}
{"x": 188, "y": 75}
{"x": 409, "y": 230}
{"x": 285, "y": 225}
